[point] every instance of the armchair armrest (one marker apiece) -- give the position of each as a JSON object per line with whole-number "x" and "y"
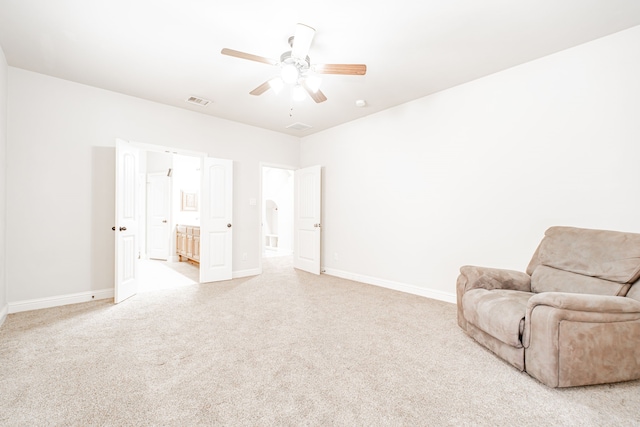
{"x": 584, "y": 302}
{"x": 472, "y": 277}
{"x": 581, "y": 308}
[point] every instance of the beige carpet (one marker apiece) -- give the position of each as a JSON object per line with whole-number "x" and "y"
{"x": 284, "y": 348}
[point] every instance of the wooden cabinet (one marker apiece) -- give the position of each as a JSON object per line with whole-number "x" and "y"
{"x": 196, "y": 244}
{"x": 181, "y": 241}
{"x": 188, "y": 242}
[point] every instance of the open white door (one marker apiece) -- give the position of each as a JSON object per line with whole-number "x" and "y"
{"x": 126, "y": 282}
{"x": 216, "y": 211}
{"x": 307, "y": 208}
{"x": 158, "y": 213}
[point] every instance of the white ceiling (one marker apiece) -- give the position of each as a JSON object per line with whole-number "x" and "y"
{"x": 166, "y": 51}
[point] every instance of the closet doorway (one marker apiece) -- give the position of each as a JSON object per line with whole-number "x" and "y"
{"x": 277, "y": 211}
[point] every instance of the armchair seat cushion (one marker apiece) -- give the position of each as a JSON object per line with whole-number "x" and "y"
{"x": 481, "y": 305}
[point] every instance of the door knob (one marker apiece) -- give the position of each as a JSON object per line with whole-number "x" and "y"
{"x": 123, "y": 228}
{"x": 228, "y": 225}
{"x": 164, "y": 221}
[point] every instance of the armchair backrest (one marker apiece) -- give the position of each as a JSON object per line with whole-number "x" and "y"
{"x": 581, "y": 260}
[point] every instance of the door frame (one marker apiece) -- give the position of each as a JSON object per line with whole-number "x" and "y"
{"x": 261, "y": 218}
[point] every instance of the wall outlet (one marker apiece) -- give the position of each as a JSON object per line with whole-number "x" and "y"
{"x": 335, "y": 256}
{"x": 244, "y": 256}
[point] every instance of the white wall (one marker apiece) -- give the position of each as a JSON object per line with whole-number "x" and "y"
{"x": 475, "y": 174}
{"x": 60, "y": 178}
{"x": 185, "y": 177}
{"x": 3, "y": 205}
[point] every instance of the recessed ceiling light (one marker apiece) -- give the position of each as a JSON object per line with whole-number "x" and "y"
{"x": 361, "y": 103}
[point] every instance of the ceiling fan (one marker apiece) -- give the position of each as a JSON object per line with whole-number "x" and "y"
{"x": 296, "y": 68}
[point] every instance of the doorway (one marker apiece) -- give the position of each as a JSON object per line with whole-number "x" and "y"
{"x": 277, "y": 211}
{"x": 171, "y": 194}
{"x": 133, "y": 163}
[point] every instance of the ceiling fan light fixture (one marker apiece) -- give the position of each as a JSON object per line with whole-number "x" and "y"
{"x": 313, "y": 83}
{"x": 276, "y": 84}
{"x": 299, "y": 93}
{"x": 289, "y": 74}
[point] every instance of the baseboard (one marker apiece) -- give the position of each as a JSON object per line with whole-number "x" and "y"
{"x": 4, "y": 311}
{"x": 396, "y": 286}
{"x": 36, "y": 304}
{"x": 246, "y": 273}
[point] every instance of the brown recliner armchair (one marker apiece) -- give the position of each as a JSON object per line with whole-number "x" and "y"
{"x": 572, "y": 319}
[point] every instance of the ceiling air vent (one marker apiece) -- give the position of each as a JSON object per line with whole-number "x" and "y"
{"x": 299, "y": 126}
{"x": 198, "y": 101}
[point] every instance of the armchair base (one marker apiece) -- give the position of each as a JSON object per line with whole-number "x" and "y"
{"x": 511, "y": 355}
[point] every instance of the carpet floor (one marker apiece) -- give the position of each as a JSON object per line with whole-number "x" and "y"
{"x": 285, "y": 348}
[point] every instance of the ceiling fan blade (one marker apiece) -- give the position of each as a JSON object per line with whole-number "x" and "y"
{"x": 261, "y": 89}
{"x": 248, "y": 56}
{"x": 302, "y": 41}
{"x": 348, "y": 69}
{"x": 317, "y": 96}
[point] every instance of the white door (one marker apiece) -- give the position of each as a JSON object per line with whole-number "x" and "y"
{"x": 216, "y": 232}
{"x": 126, "y": 283}
{"x": 158, "y": 213}
{"x": 307, "y": 226}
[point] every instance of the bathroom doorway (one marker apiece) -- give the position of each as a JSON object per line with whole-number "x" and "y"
{"x": 172, "y": 194}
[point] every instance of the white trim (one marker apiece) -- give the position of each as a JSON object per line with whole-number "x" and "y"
{"x": 36, "y": 304}
{"x": 396, "y": 286}
{"x": 246, "y": 273}
{"x": 3, "y": 314}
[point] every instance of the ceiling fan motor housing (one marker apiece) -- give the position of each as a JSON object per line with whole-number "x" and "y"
{"x": 302, "y": 65}
{"x": 292, "y": 68}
